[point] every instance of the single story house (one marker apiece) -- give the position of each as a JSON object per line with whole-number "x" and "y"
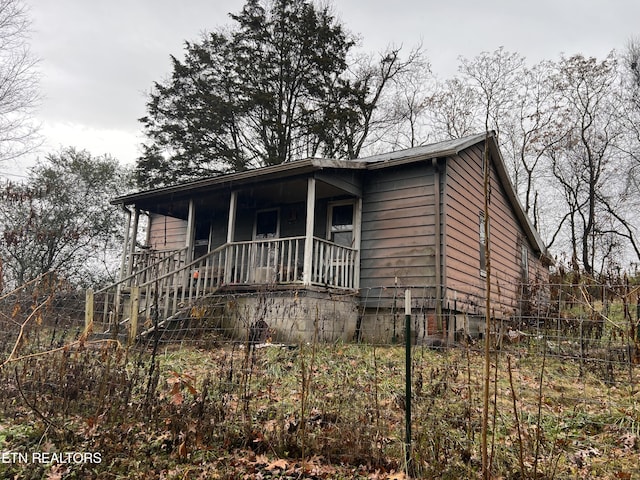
{"x": 343, "y": 238}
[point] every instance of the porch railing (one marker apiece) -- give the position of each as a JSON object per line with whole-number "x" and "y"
{"x": 168, "y": 285}
{"x": 149, "y": 264}
{"x": 333, "y": 265}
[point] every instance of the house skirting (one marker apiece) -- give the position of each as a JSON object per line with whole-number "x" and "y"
{"x": 292, "y": 315}
{"x": 315, "y": 314}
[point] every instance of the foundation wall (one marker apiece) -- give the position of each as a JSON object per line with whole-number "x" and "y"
{"x": 291, "y": 316}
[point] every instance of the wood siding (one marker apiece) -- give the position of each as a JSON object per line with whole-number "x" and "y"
{"x": 464, "y": 204}
{"x": 167, "y": 233}
{"x": 398, "y": 232}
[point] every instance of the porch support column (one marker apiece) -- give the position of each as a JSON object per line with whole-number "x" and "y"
{"x": 133, "y": 240}
{"x": 357, "y": 235}
{"x": 308, "y": 240}
{"x": 191, "y": 224}
{"x": 231, "y": 228}
{"x": 231, "y": 225}
{"x": 125, "y": 247}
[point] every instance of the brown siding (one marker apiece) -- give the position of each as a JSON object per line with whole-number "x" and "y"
{"x": 167, "y": 233}
{"x": 397, "y": 230}
{"x": 464, "y": 204}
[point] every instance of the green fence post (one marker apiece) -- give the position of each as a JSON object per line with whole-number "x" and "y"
{"x": 407, "y": 337}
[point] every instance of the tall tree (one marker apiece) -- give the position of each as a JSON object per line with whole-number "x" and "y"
{"x": 586, "y": 155}
{"x": 452, "y": 109}
{"x": 247, "y": 97}
{"x": 275, "y": 86}
{"x": 18, "y": 82}
{"x": 495, "y": 77}
{"x": 60, "y": 220}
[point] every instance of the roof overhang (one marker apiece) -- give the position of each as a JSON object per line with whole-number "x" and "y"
{"x": 239, "y": 179}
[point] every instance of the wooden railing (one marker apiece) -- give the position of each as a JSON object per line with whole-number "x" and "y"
{"x": 333, "y": 265}
{"x": 268, "y": 261}
{"x": 149, "y": 264}
{"x": 167, "y": 285}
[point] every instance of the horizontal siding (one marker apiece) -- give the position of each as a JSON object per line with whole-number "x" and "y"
{"x": 167, "y": 233}
{"x": 397, "y": 236}
{"x": 464, "y": 202}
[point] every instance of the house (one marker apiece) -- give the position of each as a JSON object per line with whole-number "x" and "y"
{"x": 314, "y": 246}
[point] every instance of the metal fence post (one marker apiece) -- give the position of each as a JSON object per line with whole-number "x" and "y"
{"x": 407, "y": 335}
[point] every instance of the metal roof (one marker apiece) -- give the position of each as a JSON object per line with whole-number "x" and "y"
{"x": 445, "y": 148}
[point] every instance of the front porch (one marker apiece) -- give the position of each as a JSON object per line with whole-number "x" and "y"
{"x": 297, "y": 233}
{"x": 258, "y": 263}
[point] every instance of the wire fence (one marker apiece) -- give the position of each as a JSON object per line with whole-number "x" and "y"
{"x": 307, "y": 384}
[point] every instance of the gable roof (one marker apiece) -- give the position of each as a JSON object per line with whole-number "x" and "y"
{"x": 443, "y": 149}
{"x": 449, "y": 148}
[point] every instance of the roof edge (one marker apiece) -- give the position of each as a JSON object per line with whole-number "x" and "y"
{"x": 273, "y": 171}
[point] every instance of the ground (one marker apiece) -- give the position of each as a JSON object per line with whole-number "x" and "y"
{"x": 218, "y": 409}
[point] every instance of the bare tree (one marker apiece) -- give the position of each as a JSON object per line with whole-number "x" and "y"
{"x": 452, "y": 109}
{"x": 496, "y": 78}
{"x": 407, "y": 104}
{"x": 586, "y": 154}
{"x": 18, "y": 82}
{"x": 531, "y": 133}
{"x": 362, "y": 108}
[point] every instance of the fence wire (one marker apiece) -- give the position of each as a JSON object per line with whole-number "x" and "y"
{"x": 223, "y": 388}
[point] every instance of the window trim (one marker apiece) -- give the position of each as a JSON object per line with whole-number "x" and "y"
{"x": 482, "y": 245}
{"x": 255, "y": 222}
{"x": 341, "y": 203}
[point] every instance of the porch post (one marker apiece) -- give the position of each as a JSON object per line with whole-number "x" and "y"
{"x": 133, "y": 240}
{"x": 308, "y": 240}
{"x": 191, "y": 222}
{"x": 125, "y": 247}
{"x": 357, "y": 233}
{"x": 231, "y": 224}
{"x": 231, "y": 228}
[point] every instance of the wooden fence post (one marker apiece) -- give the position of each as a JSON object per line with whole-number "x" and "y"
{"x": 88, "y": 311}
{"x": 133, "y": 317}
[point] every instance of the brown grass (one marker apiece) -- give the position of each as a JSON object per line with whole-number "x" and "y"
{"x": 323, "y": 411}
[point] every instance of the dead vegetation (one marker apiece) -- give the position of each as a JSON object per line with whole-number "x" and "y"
{"x": 332, "y": 411}
{"x": 207, "y": 407}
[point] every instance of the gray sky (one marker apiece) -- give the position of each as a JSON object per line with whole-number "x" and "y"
{"x": 99, "y": 58}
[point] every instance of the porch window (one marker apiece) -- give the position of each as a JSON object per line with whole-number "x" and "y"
{"x": 267, "y": 224}
{"x": 341, "y": 224}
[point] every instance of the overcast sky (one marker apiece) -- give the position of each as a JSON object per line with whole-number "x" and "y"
{"x": 99, "y": 58}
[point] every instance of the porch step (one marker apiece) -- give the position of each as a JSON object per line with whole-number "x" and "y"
{"x": 181, "y": 314}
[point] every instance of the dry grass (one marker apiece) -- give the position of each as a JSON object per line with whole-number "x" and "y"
{"x": 316, "y": 411}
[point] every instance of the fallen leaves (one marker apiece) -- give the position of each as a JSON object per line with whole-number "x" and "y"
{"x": 177, "y": 382}
{"x": 280, "y": 464}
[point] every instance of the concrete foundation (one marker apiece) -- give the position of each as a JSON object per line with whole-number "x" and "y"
{"x": 291, "y": 315}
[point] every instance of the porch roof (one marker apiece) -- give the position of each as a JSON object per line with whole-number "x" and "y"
{"x": 231, "y": 180}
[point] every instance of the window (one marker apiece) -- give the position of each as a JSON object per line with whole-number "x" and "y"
{"x": 482, "y": 245}
{"x": 266, "y": 224}
{"x": 524, "y": 261}
{"x": 340, "y": 229}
